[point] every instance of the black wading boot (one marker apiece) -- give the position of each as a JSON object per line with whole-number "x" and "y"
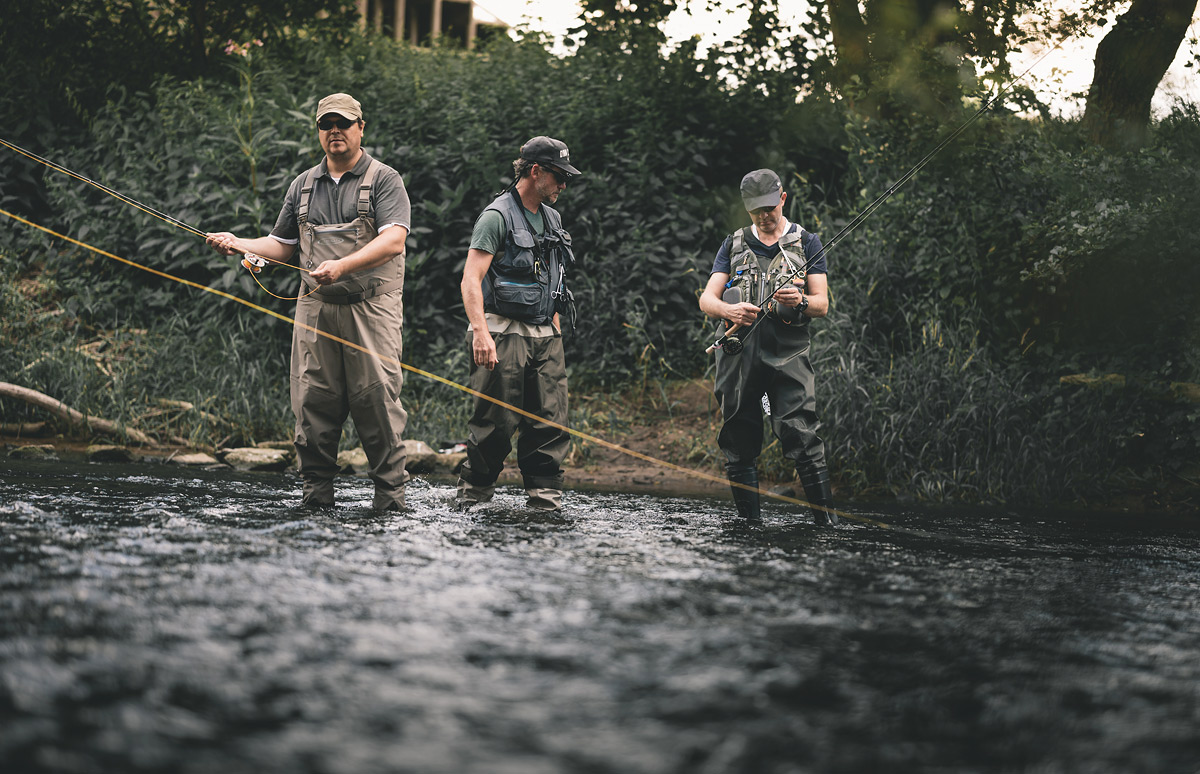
{"x": 746, "y": 499}
{"x": 819, "y": 493}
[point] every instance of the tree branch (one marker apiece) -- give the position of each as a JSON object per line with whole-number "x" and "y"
{"x": 63, "y": 411}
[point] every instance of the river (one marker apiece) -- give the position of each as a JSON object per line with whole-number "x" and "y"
{"x": 159, "y": 619}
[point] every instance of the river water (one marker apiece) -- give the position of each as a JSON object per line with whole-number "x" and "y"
{"x": 155, "y": 619}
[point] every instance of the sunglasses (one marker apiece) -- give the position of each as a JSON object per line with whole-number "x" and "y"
{"x": 559, "y": 177}
{"x": 325, "y": 124}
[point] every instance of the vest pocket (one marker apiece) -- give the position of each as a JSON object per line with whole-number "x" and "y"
{"x": 519, "y": 258}
{"x": 519, "y": 300}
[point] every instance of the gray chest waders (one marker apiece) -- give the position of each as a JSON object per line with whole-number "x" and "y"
{"x": 337, "y": 240}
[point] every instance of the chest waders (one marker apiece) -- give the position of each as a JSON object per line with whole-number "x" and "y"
{"x": 773, "y": 364}
{"x": 337, "y": 240}
{"x": 330, "y": 381}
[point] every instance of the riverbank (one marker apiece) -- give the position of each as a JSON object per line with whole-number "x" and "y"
{"x": 663, "y": 440}
{"x": 663, "y": 443}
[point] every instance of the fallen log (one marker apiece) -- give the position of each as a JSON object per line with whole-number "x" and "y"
{"x": 65, "y": 412}
{"x": 23, "y": 429}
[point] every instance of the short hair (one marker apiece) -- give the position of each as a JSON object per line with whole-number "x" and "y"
{"x": 522, "y": 168}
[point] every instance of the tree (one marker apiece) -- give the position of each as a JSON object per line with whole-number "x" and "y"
{"x": 1130, "y": 61}
{"x": 895, "y": 56}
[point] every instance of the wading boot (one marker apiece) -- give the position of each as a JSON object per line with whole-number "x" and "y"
{"x": 544, "y": 499}
{"x": 746, "y": 500}
{"x": 819, "y": 493}
{"x": 468, "y": 495}
{"x": 318, "y": 493}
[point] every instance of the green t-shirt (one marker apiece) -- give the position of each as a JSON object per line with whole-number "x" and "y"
{"x": 490, "y": 230}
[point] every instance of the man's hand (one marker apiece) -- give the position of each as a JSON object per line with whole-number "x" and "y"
{"x": 743, "y": 313}
{"x": 483, "y": 347}
{"x": 223, "y": 242}
{"x": 328, "y": 272}
{"x": 789, "y": 295}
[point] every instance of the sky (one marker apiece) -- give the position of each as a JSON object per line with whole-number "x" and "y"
{"x": 1063, "y": 73}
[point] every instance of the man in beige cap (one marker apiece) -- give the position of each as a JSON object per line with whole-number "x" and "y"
{"x": 765, "y": 267}
{"x": 350, "y": 217}
{"x": 514, "y": 289}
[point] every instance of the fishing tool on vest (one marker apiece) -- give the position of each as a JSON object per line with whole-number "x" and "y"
{"x": 723, "y": 342}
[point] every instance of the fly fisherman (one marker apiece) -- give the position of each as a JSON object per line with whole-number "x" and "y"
{"x": 773, "y": 359}
{"x": 350, "y": 217}
{"x": 513, "y": 289}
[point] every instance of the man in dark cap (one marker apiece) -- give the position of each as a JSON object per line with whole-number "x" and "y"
{"x": 514, "y": 290}
{"x": 350, "y": 217}
{"x": 772, "y": 371}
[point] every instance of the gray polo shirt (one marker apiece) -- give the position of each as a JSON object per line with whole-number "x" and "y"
{"x": 337, "y": 202}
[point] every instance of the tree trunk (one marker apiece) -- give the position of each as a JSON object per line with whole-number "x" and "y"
{"x": 849, "y": 32}
{"x": 1130, "y": 62}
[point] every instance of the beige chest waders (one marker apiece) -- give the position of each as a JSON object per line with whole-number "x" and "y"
{"x": 330, "y": 381}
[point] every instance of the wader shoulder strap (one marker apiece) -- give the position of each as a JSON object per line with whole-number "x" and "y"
{"x": 364, "y": 188}
{"x": 739, "y": 243}
{"x": 306, "y": 187}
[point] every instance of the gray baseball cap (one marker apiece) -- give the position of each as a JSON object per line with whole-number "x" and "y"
{"x": 547, "y": 150}
{"x": 761, "y": 188}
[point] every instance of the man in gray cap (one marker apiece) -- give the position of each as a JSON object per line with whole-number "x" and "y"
{"x": 350, "y": 217}
{"x": 514, "y": 291}
{"x": 771, "y": 372}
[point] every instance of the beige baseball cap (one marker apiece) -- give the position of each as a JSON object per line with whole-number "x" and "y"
{"x": 342, "y": 104}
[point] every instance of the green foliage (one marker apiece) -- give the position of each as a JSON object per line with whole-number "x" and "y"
{"x": 1015, "y": 257}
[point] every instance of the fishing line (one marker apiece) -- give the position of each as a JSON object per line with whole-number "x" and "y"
{"x": 177, "y": 223}
{"x": 443, "y": 380}
{"x": 867, "y": 211}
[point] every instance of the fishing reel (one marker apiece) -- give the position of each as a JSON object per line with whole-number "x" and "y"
{"x": 254, "y": 262}
{"x": 728, "y": 343}
{"x": 731, "y": 345}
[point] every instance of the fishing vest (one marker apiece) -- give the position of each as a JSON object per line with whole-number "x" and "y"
{"x": 527, "y": 281}
{"x": 753, "y": 279}
{"x": 337, "y": 240}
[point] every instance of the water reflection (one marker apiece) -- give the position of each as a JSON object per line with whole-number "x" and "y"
{"x": 161, "y": 620}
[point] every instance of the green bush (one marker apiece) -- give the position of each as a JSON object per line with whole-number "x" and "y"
{"x": 1018, "y": 255}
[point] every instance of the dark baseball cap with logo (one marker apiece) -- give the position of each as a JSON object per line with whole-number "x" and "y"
{"x": 761, "y": 188}
{"x": 547, "y": 150}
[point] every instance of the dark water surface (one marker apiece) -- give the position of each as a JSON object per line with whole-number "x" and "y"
{"x": 161, "y": 620}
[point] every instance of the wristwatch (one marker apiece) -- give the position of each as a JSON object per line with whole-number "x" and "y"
{"x": 800, "y": 307}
